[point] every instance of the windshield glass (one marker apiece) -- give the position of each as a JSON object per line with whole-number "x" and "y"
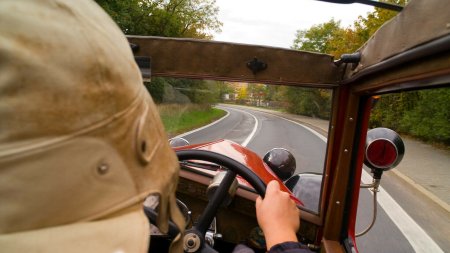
{"x": 257, "y": 116}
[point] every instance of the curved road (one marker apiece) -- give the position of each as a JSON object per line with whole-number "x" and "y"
{"x": 271, "y": 132}
{"x": 261, "y": 132}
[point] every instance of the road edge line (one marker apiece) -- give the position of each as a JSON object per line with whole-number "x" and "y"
{"x": 417, "y": 237}
{"x": 423, "y": 190}
{"x": 252, "y": 134}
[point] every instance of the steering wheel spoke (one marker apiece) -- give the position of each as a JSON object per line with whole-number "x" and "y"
{"x": 214, "y": 203}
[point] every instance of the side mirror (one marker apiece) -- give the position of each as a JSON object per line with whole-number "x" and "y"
{"x": 178, "y": 142}
{"x": 280, "y": 161}
{"x": 384, "y": 150}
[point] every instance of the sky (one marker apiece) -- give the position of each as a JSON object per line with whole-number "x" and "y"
{"x": 275, "y": 22}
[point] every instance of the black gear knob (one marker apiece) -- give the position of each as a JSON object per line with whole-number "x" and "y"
{"x": 281, "y": 161}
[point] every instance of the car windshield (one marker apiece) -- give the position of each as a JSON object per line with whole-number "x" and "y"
{"x": 258, "y": 116}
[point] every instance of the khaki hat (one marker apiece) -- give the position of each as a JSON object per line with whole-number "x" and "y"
{"x": 81, "y": 142}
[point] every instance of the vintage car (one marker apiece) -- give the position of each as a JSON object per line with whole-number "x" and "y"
{"x": 324, "y": 164}
{"x": 410, "y": 52}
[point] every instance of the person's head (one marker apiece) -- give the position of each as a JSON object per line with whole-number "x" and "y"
{"x": 81, "y": 142}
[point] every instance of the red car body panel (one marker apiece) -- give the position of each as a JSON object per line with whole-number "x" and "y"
{"x": 244, "y": 156}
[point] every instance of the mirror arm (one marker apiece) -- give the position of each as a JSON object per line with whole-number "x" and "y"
{"x": 374, "y": 188}
{"x": 387, "y": 138}
{"x": 375, "y": 183}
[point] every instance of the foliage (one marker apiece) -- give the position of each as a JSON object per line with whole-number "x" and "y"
{"x": 156, "y": 89}
{"x": 365, "y": 27}
{"x": 184, "y": 91}
{"x": 274, "y": 93}
{"x": 242, "y": 94}
{"x": 179, "y": 118}
{"x": 256, "y": 93}
{"x": 168, "y": 18}
{"x": 309, "y": 102}
{"x": 224, "y": 88}
{"x": 390, "y": 109}
{"x": 424, "y": 114}
{"x": 332, "y": 39}
{"x": 430, "y": 118}
{"x": 322, "y": 38}
{"x": 318, "y": 38}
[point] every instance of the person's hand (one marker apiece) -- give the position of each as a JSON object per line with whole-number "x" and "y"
{"x": 277, "y": 215}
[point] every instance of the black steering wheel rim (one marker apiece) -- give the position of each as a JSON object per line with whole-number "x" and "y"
{"x": 234, "y": 168}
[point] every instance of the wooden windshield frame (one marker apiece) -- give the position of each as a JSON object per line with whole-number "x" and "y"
{"x": 222, "y": 61}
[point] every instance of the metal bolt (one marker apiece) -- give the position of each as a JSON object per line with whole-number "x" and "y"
{"x": 345, "y": 150}
{"x": 102, "y": 169}
{"x": 351, "y": 119}
{"x": 338, "y": 202}
{"x": 191, "y": 242}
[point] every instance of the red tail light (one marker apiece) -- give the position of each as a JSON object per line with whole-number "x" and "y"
{"x": 381, "y": 153}
{"x": 384, "y": 149}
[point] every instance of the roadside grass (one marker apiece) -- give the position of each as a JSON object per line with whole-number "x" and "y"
{"x": 180, "y": 118}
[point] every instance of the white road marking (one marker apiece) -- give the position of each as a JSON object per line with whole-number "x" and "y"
{"x": 420, "y": 241}
{"x": 416, "y": 236}
{"x": 252, "y": 134}
{"x": 203, "y": 127}
{"x": 323, "y": 138}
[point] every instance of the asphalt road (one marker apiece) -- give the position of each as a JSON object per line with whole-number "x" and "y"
{"x": 392, "y": 232}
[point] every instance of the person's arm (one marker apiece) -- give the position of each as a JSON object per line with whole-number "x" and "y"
{"x": 279, "y": 218}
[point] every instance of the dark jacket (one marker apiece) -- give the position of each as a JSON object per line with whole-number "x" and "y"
{"x": 289, "y": 247}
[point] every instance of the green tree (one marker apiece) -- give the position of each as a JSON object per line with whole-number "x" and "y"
{"x": 317, "y": 38}
{"x": 309, "y": 102}
{"x": 173, "y": 90}
{"x": 275, "y": 96}
{"x": 365, "y": 27}
{"x": 322, "y": 39}
{"x": 170, "y": 18}
{"x": 390, "y": 109}
{"x": 242, "y": 94}
{"x": 331, "y": 39}
{"x": 224, "y": 88}
{"x": 156, "y": 89}
{"x": 429, "y": 119}
{"x": 256, "y": 93}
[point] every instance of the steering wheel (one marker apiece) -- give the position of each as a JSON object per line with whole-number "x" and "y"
{"x": 194, "y": 238}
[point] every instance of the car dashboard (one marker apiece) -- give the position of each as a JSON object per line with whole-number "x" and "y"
{"x": 235, "y": 222}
